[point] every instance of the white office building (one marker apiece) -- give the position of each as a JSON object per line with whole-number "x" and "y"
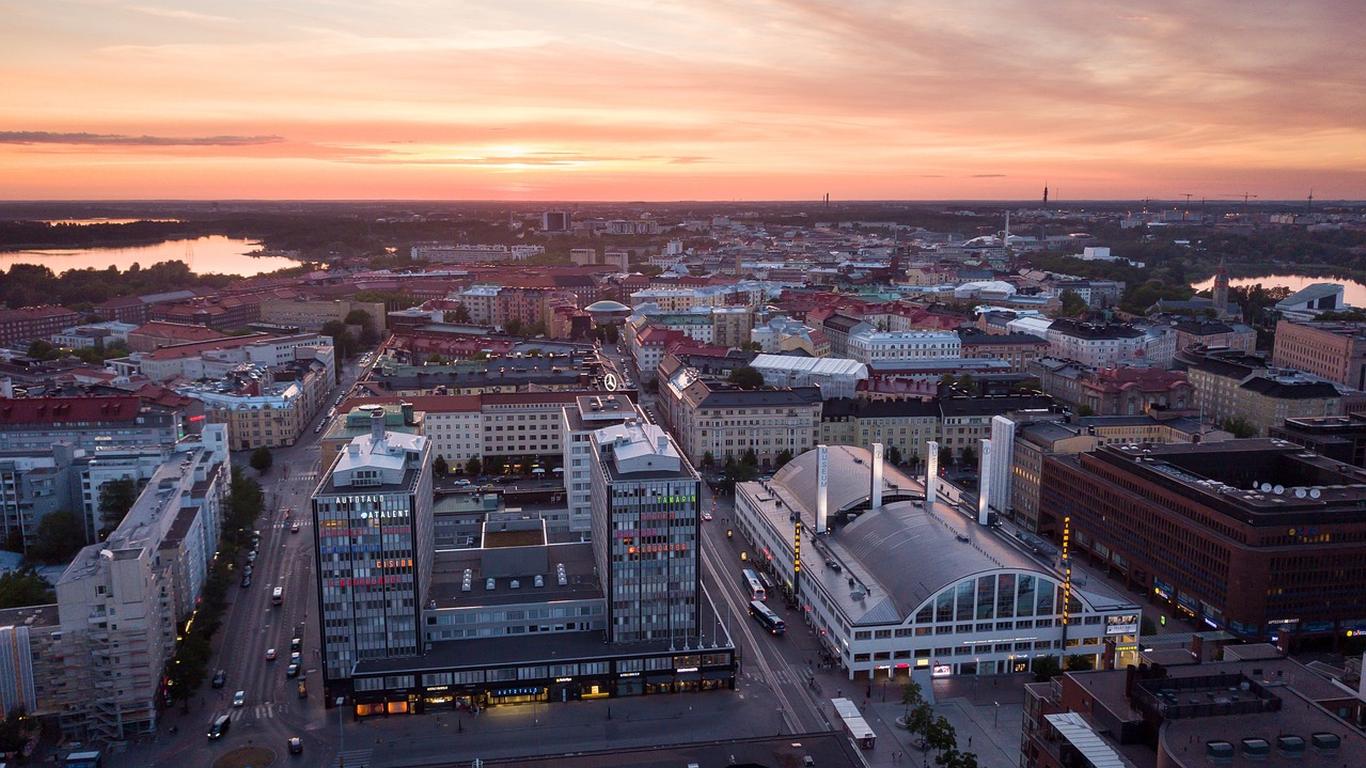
{"x": 836, "y": 377}
{"x": 866, "y": 344}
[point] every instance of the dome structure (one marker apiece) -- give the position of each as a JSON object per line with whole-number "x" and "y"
{"x": 605, "y": 306}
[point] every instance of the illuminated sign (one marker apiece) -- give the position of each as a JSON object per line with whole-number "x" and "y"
{"x": 609, "y": 382}
{"x": 941, "y": 670}
{"x": 686, "y": 669}
{"x": 564, "y": 679}
{"x": 1122, "y": 624}
{"x": 629, "y": 674}
{"x": 1066, "y": 570}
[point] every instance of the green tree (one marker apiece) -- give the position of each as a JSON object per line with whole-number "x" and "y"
{"x": 513, "y": 327}
{"x": 40, "y": 349}
{"x": 24, "y": 587}
{"x": 116, "y": 498}
{"x": 261, "y": 459}
{"x": 14, "y": 730}
{"x": 746, "y": 377}
{"x": 1073, "y": 305}
{"x": 342, "y": 340}
{"x": 940, "y": 736}
{"x": 473, "y": 466}
{"x": 1239, "y": 426}
{"x": 440, "y": 467}
{"x": 969, "y": 455}
{"x": 1046, "y": 668}
{"x": 1080, "y": 663}
{"x": 59, "y": 536}
{"x": 460, "y": 314}
{"x": 708, "y": 460}
{"x": 1085, "y": 410}
{"x": 359, "y": 317}
{"x": 945, "y": 456}
{"x": 783, "y": 457}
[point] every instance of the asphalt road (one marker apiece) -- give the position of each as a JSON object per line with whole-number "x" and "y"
{"x": 273, "y": 711}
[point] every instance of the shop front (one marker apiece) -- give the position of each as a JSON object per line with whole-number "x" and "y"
{"x": 523, "y": 694}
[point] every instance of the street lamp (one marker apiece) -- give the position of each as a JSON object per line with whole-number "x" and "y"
{"x": 341, "y": 732}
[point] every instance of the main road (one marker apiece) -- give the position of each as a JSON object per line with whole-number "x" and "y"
{"x": 274, "y": 710}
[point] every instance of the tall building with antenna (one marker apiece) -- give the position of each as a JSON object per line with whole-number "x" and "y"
{"x": 1221, "y": 289}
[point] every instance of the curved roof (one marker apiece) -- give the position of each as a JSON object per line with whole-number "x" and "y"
{"x": 850, "y": 479}
{"x": 607, "y": 305}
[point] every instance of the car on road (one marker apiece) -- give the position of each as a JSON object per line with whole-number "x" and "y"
{"x": 251, "y": 556}
{"x": 296, "y": 644}
{"x": 293, "y": 670}
{"x": 296, "y": 657}
{"x": 461, "y": 482}
{"x": 706, "y": 516}
{"x": 294, "y": 528}
{"x": 270, "y": 654}
{"x": 303, "y": 689}
{"x": 296, "y": 745}
{"x": 239, "y": 699}
{"x": 219, "y": 679}
{"x": 246, "y": 582}
{"x": 246, "y": 571}
{"x": 318, "y": 428}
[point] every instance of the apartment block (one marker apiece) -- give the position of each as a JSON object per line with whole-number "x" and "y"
{"x": 1334, "y": 350}
{"x": 33, "y": 323}
{"x": 120, "y": 602}
{"x": 712, "y": 418}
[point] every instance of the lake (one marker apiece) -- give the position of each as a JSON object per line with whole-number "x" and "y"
{"x": 1353, "y": 293}
{"x": 214, "y": 253}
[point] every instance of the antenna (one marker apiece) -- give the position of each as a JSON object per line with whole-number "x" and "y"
{"x": 1311, "y": 199}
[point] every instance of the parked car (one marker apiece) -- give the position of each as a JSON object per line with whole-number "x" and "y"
{"x": 296, "y": 644}
{"x": 293, "y": 670}
{"x": 270, "y": 654}
{"x": 246, "y": 582}
{"x": 303, "y": 689}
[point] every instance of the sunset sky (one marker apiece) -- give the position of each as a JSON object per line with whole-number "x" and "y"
{"x": 695, "y": 99}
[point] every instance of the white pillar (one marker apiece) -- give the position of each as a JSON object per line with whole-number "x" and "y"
{"x": 1002, "y": 463}
{"x": 984, "y": 481}
{"x": 931, "y": 473}
{"x": 822, "y": 487}
{"x": 877, "y": 477}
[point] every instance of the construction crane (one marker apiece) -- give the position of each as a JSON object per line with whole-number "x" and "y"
{"x": 1244, "y": 195}
{"x": 1188, "y": 205}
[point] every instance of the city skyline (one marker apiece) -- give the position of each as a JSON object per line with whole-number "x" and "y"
{"x": 783, "y": 100}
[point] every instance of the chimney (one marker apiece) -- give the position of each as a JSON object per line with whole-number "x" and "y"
{"x": 377, "y": 424}
{"x": 407, "y": 413}
{"x": 1198, "y": 647}
{"x": 876, "y": 494}
{"x": 984, "y": 484}
{"x": 822, "y": 487}
{"x": 931, "y": 473}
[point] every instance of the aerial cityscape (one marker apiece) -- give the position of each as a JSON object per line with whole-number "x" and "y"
{"x": 418, "y": 385}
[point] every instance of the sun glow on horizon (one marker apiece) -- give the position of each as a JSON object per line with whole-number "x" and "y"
{"x": 776, "y": 99}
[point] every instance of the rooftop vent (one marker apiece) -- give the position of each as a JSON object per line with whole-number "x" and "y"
{"x": 488, "y": 584}
{"x": 1219, "y": 750}
{"x": 539, "y": 581}
{"x": 561, "y": 577}
{"x": 1292, "y": 745}
{"x": 1326, "y": 741}
{"x": 514, "y": 584}
{"x": 1255, "y": 747}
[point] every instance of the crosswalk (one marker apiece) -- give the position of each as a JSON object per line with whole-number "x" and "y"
{"x": 263, "y": 711}
{"x": 354, "y": 758}
{"x": 282, "y": 525}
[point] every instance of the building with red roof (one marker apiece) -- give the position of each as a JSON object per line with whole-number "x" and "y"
{"x": 30, "y": 323}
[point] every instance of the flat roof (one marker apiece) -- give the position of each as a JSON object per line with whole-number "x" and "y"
{"x": 448, "y": 572}
{"x": 828, "y": 750}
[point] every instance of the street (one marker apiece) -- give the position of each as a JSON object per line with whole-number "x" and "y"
{"x": 273, "y": 711}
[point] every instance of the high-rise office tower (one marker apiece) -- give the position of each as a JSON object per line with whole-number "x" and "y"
{"x": 645, "y": 507}
{"x": 372, "y": 514}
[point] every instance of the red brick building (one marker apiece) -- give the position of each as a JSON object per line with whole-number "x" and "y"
{"x": 30, "y": 323}
{"x": 1258, "y": 537}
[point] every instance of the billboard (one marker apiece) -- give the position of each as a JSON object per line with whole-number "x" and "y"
{"x": 1121, "y": 624}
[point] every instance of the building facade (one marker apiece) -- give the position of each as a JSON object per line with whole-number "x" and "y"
{"x": 1334, "y": 350}
{"x": 1253, "y": 536}
{"x": 372, "y": 518}
{"x": 866, "y": 345}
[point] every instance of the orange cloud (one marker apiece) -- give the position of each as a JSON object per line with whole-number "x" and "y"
{"x": 771, "y": 99}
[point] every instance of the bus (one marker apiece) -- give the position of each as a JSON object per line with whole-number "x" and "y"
{"x": 767, "y": 618}
{"x": 277, "y": 596}
{"x": 219, "y": 727}
{"x": 88, "y": 759}
{"x": 750, "y": 581}
{"x": 854, "y": 724}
